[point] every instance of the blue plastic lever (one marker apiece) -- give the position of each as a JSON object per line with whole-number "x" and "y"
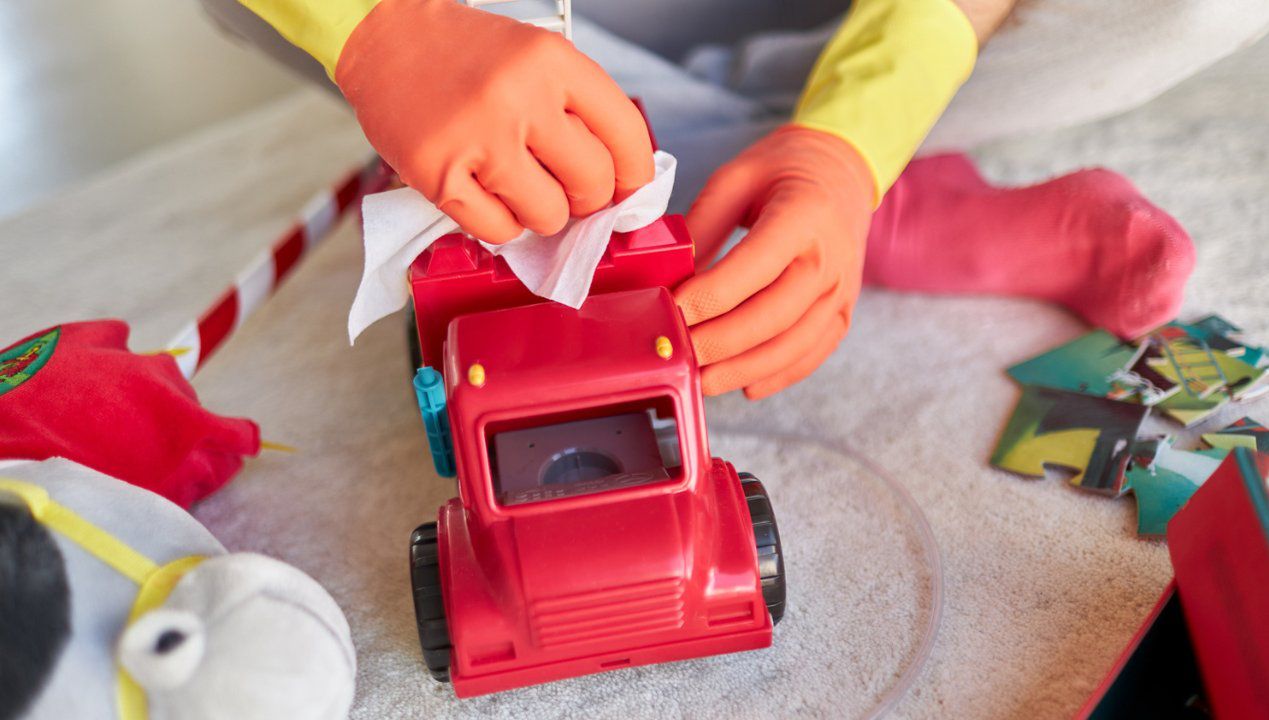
{"x": 429, "y": 387}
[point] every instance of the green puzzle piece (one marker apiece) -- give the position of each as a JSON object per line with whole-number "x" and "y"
{"x": 1083, "y": 365}
{"x": 1166, "y": 485}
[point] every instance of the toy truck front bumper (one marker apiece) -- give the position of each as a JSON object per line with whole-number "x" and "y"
{"x": 695, "y": 647}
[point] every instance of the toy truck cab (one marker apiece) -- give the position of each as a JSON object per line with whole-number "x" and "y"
{"x": 592, "y": 528}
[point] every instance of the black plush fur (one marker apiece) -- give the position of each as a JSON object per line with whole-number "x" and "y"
{"x": 34, "y": 608}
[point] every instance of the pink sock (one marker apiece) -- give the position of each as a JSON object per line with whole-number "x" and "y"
{"x": 1089, "y": 241}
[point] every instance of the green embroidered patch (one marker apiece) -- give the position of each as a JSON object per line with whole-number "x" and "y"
{"x": 20, "y": 362}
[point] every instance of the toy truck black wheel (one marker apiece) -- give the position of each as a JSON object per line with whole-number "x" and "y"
{"x": 429, "y": 605}
{"x": 766, "y": 536}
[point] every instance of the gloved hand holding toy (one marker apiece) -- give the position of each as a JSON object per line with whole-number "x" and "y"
{"x": 772, "y": 310}
{"x": 775, "y": 307}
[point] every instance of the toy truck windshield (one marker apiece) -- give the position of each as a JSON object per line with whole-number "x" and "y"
{"x": 610, "y": 449}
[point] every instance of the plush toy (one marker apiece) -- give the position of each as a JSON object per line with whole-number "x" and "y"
{"x": 117, "y": 604}
{"x": 75, "y": 391}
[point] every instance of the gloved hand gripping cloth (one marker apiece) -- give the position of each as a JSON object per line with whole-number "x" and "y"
{"x": 75, "y": 391}
{"x": 883, "y": 80}
{"x": 502, "y": 125}
{"x": 398, "y": 225}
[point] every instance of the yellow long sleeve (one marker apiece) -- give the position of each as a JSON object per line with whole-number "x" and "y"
{"x": 318, "y": 27}
{"x": 886, "y": 77}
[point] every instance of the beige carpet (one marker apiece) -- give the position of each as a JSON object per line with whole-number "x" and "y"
{"x": 1044, "y": 584}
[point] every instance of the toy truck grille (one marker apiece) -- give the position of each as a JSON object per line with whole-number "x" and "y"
{"x": 614, "y": 612}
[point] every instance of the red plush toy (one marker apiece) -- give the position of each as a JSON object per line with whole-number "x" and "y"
{"x": 76, "y": 391}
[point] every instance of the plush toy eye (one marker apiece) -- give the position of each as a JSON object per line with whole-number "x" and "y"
{"x": 163, "y": 648}
{"x": 169, "y": 641}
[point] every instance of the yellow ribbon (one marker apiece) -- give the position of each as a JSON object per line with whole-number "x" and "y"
{"x": 154, "y": 592}
{"x": 71, "y": 525}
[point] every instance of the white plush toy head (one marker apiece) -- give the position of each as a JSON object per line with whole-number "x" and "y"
{"x": 243, "y": 636}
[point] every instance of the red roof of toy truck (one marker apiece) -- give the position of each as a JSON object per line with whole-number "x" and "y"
{"x": 457, "y": 277}
{"x": 542, "y": 353}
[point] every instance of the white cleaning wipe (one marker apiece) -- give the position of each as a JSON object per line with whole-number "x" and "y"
{"x": 398, "y": 225}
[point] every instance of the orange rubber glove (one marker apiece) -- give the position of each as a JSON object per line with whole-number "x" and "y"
{"x": 500, "y": 124}
{"x": 775, "y": 306}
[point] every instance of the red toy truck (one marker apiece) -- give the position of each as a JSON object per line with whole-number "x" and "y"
{"x": 592, "y": 528}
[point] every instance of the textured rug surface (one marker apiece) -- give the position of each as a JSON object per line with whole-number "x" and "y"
{"x": 1044, "y": 585}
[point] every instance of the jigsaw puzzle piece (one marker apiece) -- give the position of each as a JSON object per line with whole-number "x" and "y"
{"x": 1084, "y": 365}
{"x": 1097, "y": 363}
{"x": 1142, "y": 382}
{"x": 1092, "y": 436}
{"x": 1205, "y": 358}
{"x": 1242, "y": 433}
{"x": 1227, "y": 337}
{"x": 1191, "y": 411}
{"x": 1164, "y": 483}
{"x": 1188, "y": 362}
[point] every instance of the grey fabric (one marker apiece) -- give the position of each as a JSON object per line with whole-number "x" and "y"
{"x": 673, "y": 28}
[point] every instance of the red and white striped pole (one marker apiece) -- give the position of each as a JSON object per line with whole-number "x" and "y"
{"x": 200, "y": 338}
